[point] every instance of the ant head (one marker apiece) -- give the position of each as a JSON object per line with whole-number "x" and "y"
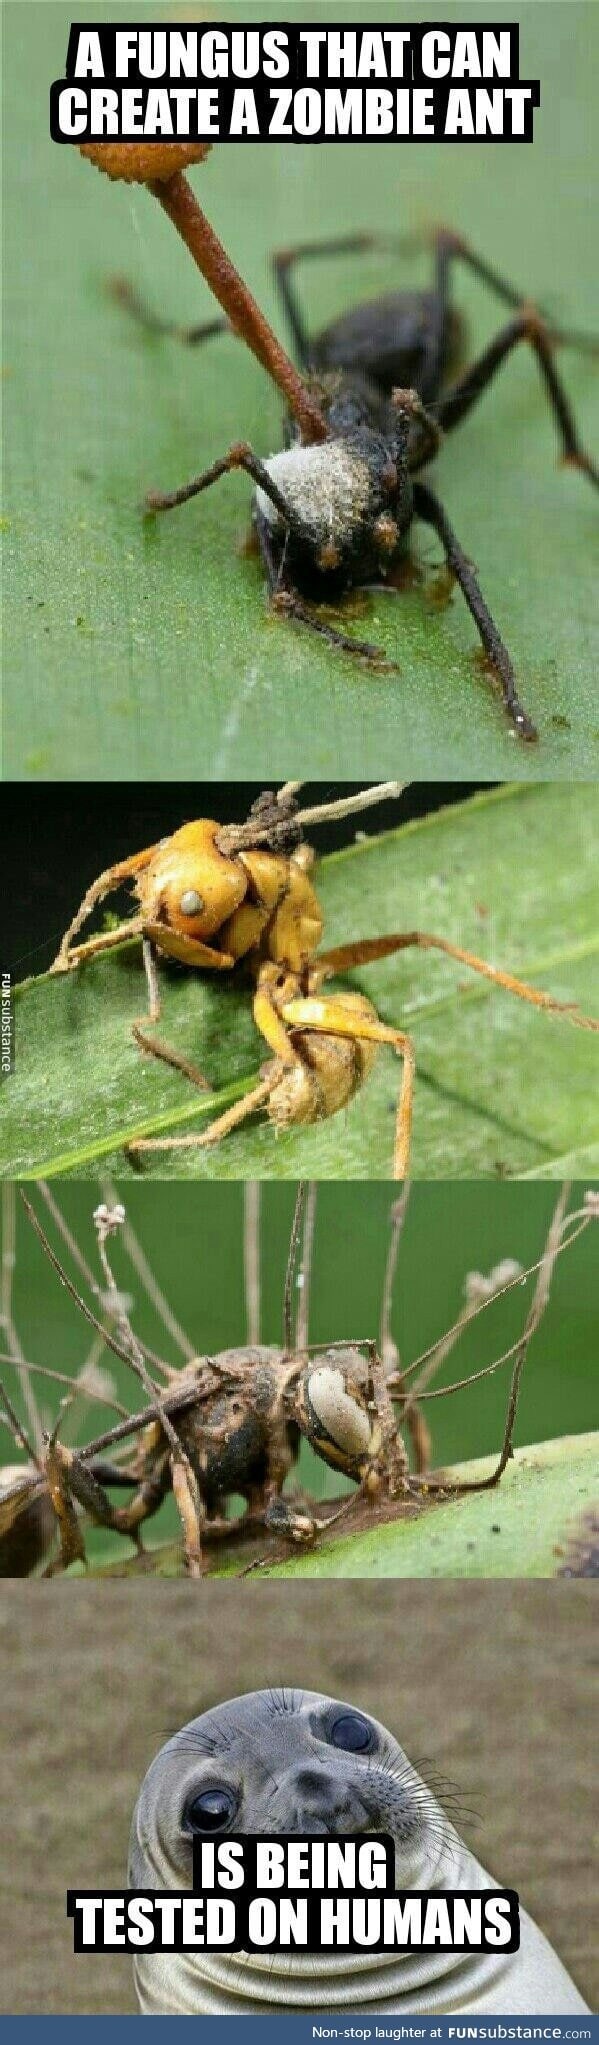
{"x": 190, "y": 885}
{"x": 332, "y": 1411}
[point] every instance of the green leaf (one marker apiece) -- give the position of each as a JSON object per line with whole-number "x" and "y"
{"x": 500, "y": 1088}
{"x": 522, "y": 1529}
{"x": 536, "y": 1523}
{"x": 134, "y": 650}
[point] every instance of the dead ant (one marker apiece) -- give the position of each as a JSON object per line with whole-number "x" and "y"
{"x": 217, "y": 896}
{"x": 233, "y": 1423}
{"x": 336, "y": 511}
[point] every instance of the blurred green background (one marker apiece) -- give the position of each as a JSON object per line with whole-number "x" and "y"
{"x": 132, "y": 651}
{"x": 193, "y": 1239}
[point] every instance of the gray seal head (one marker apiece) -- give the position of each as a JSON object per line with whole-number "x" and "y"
{"x": 294, "y": 1761}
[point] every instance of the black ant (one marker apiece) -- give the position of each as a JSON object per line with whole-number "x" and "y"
{"x": 335, "y": 512}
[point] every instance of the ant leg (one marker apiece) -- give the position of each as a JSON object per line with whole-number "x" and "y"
{"x": 278, "y": 1514}
{"x": 169, "y": 1056}
{"x": 327, "y": 1015}
{"x": 272, "y": 1027}
{"x": 256, "y": 1098}
{"x": 437, "y": 321}
{"x": 172, "y": 1467}
{"x": 273, "y": 1030}
{"x": 288, "y": 604}
{"x": 284, "y": 260}
{"x": 152, "y": 982}
{"x": 190, "y": 1514}
{"x": 71, "y": 1482}
{"x": 427, "y": 507}
{"x": 456, "y": 403}
{"x": 240, "y": 456}
{"x": 125, "y": 294}
{"x": 273, "y": 569}
{"x": 281, "y": 1517}
{"x": 149, "y": 1496}
{"x": 451, "y": 248}
{"x": 367, "y": 949}
{"x": 151, "y": 1044}
{"x": 191, "y": 952}
{"x": 393, "y": 1455}
{"x": 105, "y": 941}
{"x": 113, "y": 877}
{"x": 59, "y": 1474}
{"x": 284, "y": 600}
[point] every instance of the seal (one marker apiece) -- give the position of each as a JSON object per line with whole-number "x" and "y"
{"x": 294, "y": 1761}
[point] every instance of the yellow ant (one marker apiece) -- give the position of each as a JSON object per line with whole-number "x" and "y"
{"x": 212, "y": 896}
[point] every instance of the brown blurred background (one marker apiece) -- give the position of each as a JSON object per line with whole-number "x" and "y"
{"x": 490, "y": 1682}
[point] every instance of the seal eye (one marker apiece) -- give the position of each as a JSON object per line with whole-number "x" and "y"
{"x": 191, "y": 903}
{"x": 351, "y": 1732}
{"x": 211, "y": 1810}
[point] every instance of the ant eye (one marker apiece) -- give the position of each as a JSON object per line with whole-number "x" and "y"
{"x": 211, "y": 1810}
{"x": 351, "y": 1732}
{"x": 191, "y": 903}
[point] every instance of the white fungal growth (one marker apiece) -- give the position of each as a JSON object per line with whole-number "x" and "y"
{"x": 478, "y": 1288}
{"x": 342, "y": 1418}
{"x": 326, "y": 486}
{"x": 108, "y": 1219}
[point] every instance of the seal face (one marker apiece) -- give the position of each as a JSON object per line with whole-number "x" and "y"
{"x": 286, "y": 1761}
{"x": 294, "y": 1761}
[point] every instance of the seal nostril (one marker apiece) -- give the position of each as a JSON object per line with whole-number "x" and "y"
{"x": 314, "y": 1782}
